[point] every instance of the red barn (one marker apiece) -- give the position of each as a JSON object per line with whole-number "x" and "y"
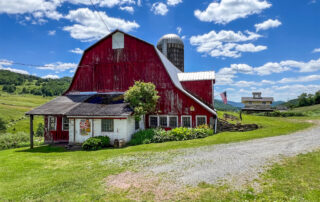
{"x": 93, "y": 105}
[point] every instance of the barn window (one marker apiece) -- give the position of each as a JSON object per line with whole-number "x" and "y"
{"x": 65, "y": 124}
{"x": 52, "y": 123}
{"x": 153, "y": 121}
{"x": 117, "y": 40}
{"x": 201, "y": 120}
{"x": 163, "y": 121}
{"x": 173, "y": 121}
{"x": 186, "y": 121}
{"x": 107, "y": 125}
{"x": 137, "y": 125}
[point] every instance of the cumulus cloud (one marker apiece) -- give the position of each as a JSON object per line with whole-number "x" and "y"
{"x": 50, "y": 76}
{"x": 159, "y": 8}
{"x": 52, "y": 32}
{"x": 173, "y": 2}
{"x": 129, "y": 9}
{"x": 103, "y": 3}
{"x": 316, "y": 50}
{"x": 226, "y": 43}
{"x": 4, "y": 65}
{"x": 88, "y": 28}
{"x": 300, "y": 79}
{"x": 225, "y": 11}
{"x": 179, "y": 30}
{"x": 59, "y": 66}
{"x": 267, "y": 24}
{"x": 38, "y": 8}
{"x": 76, "y": 51}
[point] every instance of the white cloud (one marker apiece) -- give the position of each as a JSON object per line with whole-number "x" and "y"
{"x": 4, "y": 66}
{"x": 50, "y": 76}
{"x": 76, "y": 51}
{"x": 129, "y": 9}
{"x": 179, "y": 30}
{"x": 173, "y": 2}
{"x": 103, "y": 3}
{"x": 159, "y": 8}
{"x": 225, "y": 11}
{"x": 52, "y": 32}
{"x": 250, "y": 48}
{"x": 88, "y": 27}
{"x": 59, "y": 66}
{"x": 226, "y": 43}
{"x": 38, "y": 8}
{"x": 316, "y": 50}
{"x": 267, "y": 24}
{"x": 300, "y": 79}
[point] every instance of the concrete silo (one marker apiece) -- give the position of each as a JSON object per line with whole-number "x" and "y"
{"x": 171, "y": 45}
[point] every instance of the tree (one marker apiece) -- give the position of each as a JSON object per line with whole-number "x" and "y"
{"x": 2, "y": 125}
{"x": 303, "y": 100}
{"x": 317, "y": 97}
{"x": 40, "y": 130}
{"x": 142, "y": 97}
{"x": 9, "y": 88}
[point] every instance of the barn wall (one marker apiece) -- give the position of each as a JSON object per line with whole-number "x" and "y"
{"x": 200, "y": 89}
{"x": 103, "y": 69}
{"x": 57, "y": 135}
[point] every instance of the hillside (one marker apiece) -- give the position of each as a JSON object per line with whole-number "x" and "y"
{"x": 312, "y": 111}
{"x": 219, "y": 105}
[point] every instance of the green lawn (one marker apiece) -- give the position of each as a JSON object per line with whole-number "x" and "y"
{"x": 14, "y": 106}
{"x": 51, "y": 173}
{"x": 294, "y": 179}
{"x": 311, "y": 111}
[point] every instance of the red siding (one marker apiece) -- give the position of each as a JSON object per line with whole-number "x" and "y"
{"x": 103, "y": 69}
{"x": 200, "y": 89}
{"x": 58, "y": 135}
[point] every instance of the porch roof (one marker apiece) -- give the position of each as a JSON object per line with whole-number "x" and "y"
{"x": 85, "y": 105}
{"x": 59, "y": 106}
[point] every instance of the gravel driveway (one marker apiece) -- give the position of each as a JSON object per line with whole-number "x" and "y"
{"x": 235, "y": 162}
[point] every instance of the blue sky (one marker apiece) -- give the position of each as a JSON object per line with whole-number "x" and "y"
{"x": 253, "y": 45}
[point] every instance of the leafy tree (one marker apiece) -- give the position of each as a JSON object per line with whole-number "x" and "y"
{"x": 40, "y": 130}
{"x": 303, "y": 99}
{"x": 2, "y": 125}
{"x": 317, "y": 97}
{"x": 24, "y": 90}
{"x": 9, "y": 88}
{"x": 142, "y": 97}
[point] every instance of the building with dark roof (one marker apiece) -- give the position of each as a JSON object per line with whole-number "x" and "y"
{"x": 93, "y": 104}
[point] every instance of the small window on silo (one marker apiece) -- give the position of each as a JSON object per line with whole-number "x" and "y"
{"x": 117, "y": 40}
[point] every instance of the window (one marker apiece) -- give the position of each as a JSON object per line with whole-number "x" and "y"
{"x": 137, "y": 124}
{"x": 65, "y": 124}
{"x": 107, "y": 125}
{"x": 163, "y": 121}
{"x": 117, "y": 40}
{"x": 186, "y": 121}
{"x": 264, "y": 103}
{"x": 201, "y": 120}
{"x": 173, "y": 121}
{"x": 52, "y": 123}
{"x": 153, "y": 121}
{"x": 250, "y": 103}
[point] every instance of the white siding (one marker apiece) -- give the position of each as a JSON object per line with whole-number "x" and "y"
{"x": 81, "y": 138}
{"x": 71, "y": 132}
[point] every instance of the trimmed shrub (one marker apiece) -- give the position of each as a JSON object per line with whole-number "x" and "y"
{"x": 8, "y": 140}
{"x": 142, "y": 136}
{"x": 96, "y": 143}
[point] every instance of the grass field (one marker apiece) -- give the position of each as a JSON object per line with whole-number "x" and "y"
{"x": 294, "y": 179}
{"x": 13, "y": 108}
{"x": 310, "y": 111}
{"x": 51, "y": 173}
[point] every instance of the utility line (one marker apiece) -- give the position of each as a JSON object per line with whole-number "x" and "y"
{"x": 94, "y": 7}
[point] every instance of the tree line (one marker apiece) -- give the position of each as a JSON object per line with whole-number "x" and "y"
{"x": 308, "y": 99}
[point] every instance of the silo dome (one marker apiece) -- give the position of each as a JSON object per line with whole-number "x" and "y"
{"x": 171, "y": 45}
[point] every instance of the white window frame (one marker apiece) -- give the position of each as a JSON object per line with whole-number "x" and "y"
{"x": 201, "y": 116}
{"x": 111, "y": 131}
{"x": 158, "y": 119}
{"x": 177, "y": 117}
{"x": 190, "y": 120}
{"x": 161, "y": 116}
{"x": 55, "y": 123}
{"x": 63, "y": 123}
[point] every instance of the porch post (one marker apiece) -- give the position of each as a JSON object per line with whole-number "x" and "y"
{"x": 31, "y": 131}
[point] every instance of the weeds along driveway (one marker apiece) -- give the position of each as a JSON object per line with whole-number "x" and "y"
{"x": 237, "y": 163}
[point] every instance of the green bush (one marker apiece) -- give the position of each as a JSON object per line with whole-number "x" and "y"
{"x": 2, "y": 125}
{"x": 8, "y": 140}
{"x": 40, "y": 130}
{"x": 141, "y": 136}
{"x": 96, "y": 143}
{"x": 282, "y": 114}
{"x": 176, "y": 134}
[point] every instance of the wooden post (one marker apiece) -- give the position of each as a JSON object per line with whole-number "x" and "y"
{"x": 31, "y": 131}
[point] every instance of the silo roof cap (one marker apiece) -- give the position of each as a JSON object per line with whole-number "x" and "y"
{"x": 170, "y": 38}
